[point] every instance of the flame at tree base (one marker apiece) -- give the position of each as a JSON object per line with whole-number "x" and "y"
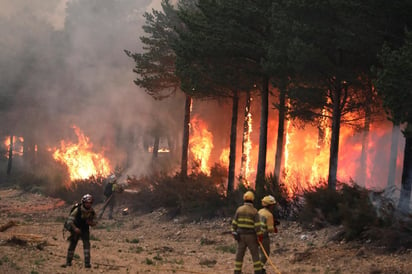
{"x": 81, "y": 162}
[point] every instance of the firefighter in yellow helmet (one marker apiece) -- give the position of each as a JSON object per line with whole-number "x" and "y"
{"x": 246, "y": 229}
{"x": 268, "y": 224}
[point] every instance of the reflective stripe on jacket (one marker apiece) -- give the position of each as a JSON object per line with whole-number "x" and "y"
{"x": 267, "y": 221}
{"x": 246, "y": 220}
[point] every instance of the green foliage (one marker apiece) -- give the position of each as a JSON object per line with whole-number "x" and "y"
{"x": 394, "y": 80}
{"x": 227, "y": 248}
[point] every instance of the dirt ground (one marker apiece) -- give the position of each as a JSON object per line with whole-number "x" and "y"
{"x": 154, "y": 243}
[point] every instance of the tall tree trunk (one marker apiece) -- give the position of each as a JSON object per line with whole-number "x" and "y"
{"x": 29, "y": 151}
{"x": 405, "y": 196}
{"x": 233, "y": 136}
{"x": 365, "y": 143}
{"x": 393, "y": 156}
{"x": 156, "y": 146}
{"x": 244, "y": 162}
{"x": 261, "y": 167}
{"x": 281, "y": 133}
{"x": 10, "y": 160}
{"x": 334, "y": 144}
{"x": 185, "y": 143}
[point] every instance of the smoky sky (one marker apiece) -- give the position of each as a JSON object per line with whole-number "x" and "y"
{"x": 62, "y": 63}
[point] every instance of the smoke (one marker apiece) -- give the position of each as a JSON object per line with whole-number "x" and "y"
{"x": 63, "y": 64}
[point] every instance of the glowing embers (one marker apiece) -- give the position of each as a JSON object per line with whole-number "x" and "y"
{"x": 79, "y": 158}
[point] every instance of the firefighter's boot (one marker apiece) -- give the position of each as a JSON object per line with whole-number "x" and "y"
{"x": 69, "y": 258}
{"x": 87, "y": 258}
{"x": 237, "y": 272}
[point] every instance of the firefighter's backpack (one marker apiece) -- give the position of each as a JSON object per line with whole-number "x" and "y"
{"x": 66, "y": 225}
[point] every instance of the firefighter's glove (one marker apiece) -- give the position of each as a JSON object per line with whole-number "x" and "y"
{"x": 260, "y": 238}
{"x": 236, "y": 236}
{"x": 77, "y": 230}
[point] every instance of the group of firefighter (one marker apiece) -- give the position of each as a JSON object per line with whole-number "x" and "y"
{"x": 250, "y": 227}
{"x": 84, "y": 216}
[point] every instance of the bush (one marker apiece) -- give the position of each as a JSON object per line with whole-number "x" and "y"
{"x": 349, "y": 206}
{"x": 198, "y": 195}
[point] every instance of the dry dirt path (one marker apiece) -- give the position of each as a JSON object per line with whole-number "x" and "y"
{"x": 151, "y": 243}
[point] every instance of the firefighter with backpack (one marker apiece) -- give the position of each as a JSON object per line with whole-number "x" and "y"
{"x": 80, "y": 219}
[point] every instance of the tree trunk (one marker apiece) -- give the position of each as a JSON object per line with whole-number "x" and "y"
{"x": 10, "y": 160}
{"x": 281, "y": 133}
{"x": 244, "y": 162}
{"x": 405, "y": 196}
{"x": 156, "y": 146}
{"x": 261, "y": 167}
{"x": 365, "y": 143}
{"x": 233, "y": 136}
{"x": 393, "y": 156}
{"x": 185, "y": 143}
{"x": 334, "y": 144}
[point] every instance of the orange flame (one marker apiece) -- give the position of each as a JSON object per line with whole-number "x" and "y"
{"x": 247, "y": 148}
{"x": 18, "y": 148}
{"x": 80, "y": 160}
{"x": 201, "y": 144}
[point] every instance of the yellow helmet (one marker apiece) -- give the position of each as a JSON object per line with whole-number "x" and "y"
{"x": 249, "y": 196}
{"x": 268, "y": 200}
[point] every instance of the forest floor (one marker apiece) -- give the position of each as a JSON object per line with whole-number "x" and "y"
{"x": 32, "y": 242}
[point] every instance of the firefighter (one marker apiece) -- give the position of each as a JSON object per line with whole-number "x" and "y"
{"x": 80, "y": 219}
{"x": 246, "y": 229}
{"x": 268, "y": 224}
{"x": 109, "y": 192}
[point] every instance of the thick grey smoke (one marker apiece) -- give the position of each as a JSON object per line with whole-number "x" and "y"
{"x": 62, "y": 63}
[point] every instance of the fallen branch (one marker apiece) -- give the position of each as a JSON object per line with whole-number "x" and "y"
{"x": 7, "y": 226}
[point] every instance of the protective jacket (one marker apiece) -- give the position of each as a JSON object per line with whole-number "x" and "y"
{"x": 246, "y": 220}
{"x": 267, "y": 221}
{"x": 82, "y": 217}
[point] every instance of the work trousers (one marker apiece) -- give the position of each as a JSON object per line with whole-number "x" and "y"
{"x": 266, "y": 246}
{"x": 248, "y": 241}
{"x": 74, "y": 238}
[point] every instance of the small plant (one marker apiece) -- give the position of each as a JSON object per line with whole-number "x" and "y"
{"x": 227, "y": 249}
{"x": 133, "y": 241}
{"x": 207, "y": 262}
{"x": 149, "y": 261}
{"x": 157, "y": 257}
{"x": 94, "y": 238}
{"x": 137, "y": 249}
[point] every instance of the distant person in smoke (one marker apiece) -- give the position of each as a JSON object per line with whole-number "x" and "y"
{"x": 79, "y": 221}
{"x": 110, "y": 190}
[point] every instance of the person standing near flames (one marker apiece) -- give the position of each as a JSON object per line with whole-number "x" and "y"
{"x": 110, "y": 190}
{"x": 80, "y": 219}
{"x": 268, "y": 224}
{"x": 246, "y": 229}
